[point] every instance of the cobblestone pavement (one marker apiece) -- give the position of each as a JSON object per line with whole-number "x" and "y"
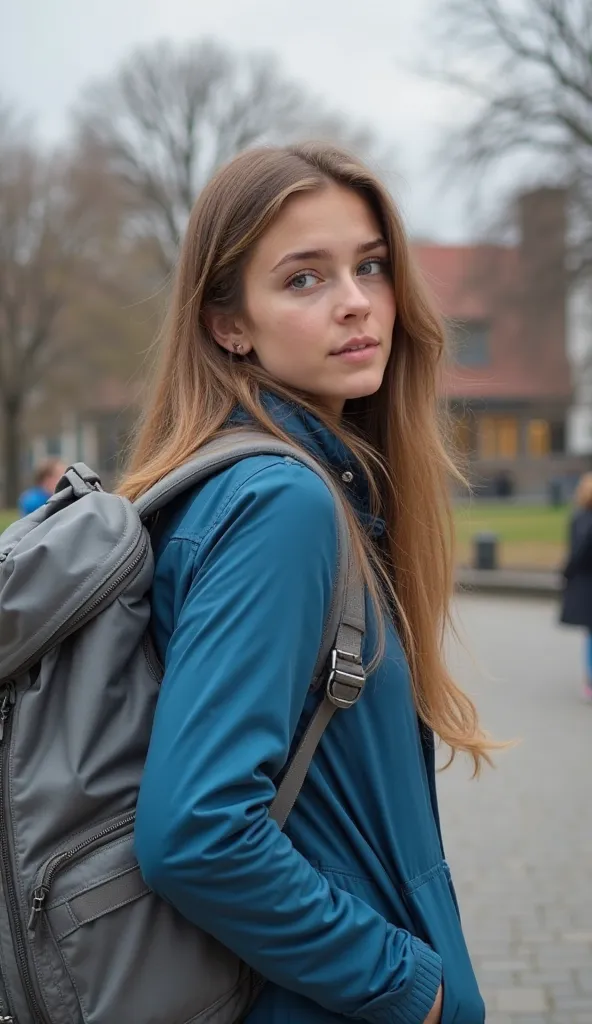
{"x": 520, "y": 839}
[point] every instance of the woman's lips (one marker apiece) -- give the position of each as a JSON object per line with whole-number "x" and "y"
{"x": 359, "y": 352}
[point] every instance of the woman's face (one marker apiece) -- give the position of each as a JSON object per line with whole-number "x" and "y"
{"x": 319, "y": 299}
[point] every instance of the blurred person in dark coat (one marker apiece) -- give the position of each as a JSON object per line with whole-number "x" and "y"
{"x": 47, "y": 475}
{"x": 577, "y": 595}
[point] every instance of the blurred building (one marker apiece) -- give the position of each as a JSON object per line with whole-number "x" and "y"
{"x": 91, "y": 425}
{"x": 510, "y": 386}
{"x": 522, "y": 417}
{"x": 579, "y": 320}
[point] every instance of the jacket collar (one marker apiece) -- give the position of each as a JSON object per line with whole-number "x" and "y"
{"x": 325, "y": 446}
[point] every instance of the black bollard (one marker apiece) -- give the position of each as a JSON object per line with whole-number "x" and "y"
{"x": 555, "y": 493}
{"x": 485, "y": 551}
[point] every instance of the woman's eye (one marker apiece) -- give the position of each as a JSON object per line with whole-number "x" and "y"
{"x": 370, "y": 267}
{"x": 302, "y": 281}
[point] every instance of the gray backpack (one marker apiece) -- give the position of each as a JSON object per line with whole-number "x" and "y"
{"x": 82, "y": 938}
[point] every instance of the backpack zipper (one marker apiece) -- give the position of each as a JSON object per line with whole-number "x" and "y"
{"x": 112, "y": 586}
{"x": 55, "y": 864}
{"x": 7, "y": 702}
{"x": 6, "y": 705}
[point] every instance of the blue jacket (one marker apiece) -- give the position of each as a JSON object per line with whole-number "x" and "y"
{"x": 351, "y": 912}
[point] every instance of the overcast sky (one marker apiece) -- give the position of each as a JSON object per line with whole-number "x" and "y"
{"x": 358, "y": 56}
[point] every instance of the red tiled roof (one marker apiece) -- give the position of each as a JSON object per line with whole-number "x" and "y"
{"x": 527, "y": 332}
{"x": 453, "y": 275}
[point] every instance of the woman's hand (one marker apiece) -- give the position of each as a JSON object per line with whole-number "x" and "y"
{"x": 434, "y": 1015}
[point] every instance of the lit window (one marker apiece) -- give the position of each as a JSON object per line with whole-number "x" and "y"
{"x": 487, "y": 446}
{"x": 507, "y": 438}
{"x": 539, "y": 438}
{"x": 464, "y": 433}
{"x": 498, "y": 437}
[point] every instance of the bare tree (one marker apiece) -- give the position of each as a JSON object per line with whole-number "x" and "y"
{"x": 172, "y": 115}
{"x": 47, "y": 229}
{"x": 528, "y": 66}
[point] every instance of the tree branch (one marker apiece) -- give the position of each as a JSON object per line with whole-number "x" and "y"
{"x": 171, "y": 116}
{"x": 528, "y": 66}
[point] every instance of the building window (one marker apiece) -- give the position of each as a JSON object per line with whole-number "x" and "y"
{"x": 557, "y": 431}
{"x": 53, "y": 447}
{"x": 464, "y": 433}
{"x": 471, "y": 342}
{"x": 498, "y": 437}
{"x": 487, "y": 447}
{"x": 538, "y": 439}
{"x": 507, "y": 438}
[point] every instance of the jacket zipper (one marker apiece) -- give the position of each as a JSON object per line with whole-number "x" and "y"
{"x": 55, "y": 864}
{"x": 7, "y": 702}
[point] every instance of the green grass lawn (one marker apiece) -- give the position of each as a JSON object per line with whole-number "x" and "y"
{"x": 7, "y": 516}
{"x": 531, "y": 536}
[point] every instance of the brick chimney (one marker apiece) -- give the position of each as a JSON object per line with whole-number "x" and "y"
{"x": 543, "y": 227}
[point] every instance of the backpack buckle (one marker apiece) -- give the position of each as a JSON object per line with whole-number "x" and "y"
{"x": 345, "y": 682}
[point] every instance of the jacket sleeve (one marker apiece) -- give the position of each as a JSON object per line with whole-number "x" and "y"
{"x": 238, "y": 667}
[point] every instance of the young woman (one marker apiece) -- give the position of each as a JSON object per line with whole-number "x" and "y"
{"x": 577, "y": 596}
{"x": 297, "y": 308}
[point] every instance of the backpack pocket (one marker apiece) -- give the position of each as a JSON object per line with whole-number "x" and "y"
{"x": 107, "y": 949}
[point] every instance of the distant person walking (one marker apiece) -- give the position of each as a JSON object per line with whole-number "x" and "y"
{"x": 577, "y": 596}
{"x": 46, "y": 477}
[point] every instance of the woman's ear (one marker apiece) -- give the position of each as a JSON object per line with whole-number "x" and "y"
{"x": 229, "y": 333}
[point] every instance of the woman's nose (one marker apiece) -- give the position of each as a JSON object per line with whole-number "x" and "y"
{"x": 353, "y": 301}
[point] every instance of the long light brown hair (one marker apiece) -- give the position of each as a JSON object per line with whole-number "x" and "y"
{"x": 396, "y": 434}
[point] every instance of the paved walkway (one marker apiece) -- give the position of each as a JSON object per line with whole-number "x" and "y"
{"x": 520, "y": 582}
{"x": 520, "y": 839}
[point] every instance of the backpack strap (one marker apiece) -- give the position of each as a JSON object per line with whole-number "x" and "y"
{"x": 343, "y": 636}
{"x": 344, "y": 686}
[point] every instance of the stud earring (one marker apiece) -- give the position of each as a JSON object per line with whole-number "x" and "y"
{"x": 237, "y": 348}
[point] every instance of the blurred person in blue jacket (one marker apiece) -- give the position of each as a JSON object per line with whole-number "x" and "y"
{"x": 297, "y": 309}
{"x": 46, "y": 477}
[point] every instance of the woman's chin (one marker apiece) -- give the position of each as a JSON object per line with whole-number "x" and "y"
{"x": 362, "y": 385}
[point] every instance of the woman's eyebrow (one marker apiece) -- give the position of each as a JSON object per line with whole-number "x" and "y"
{"x": 324, "y": 254}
